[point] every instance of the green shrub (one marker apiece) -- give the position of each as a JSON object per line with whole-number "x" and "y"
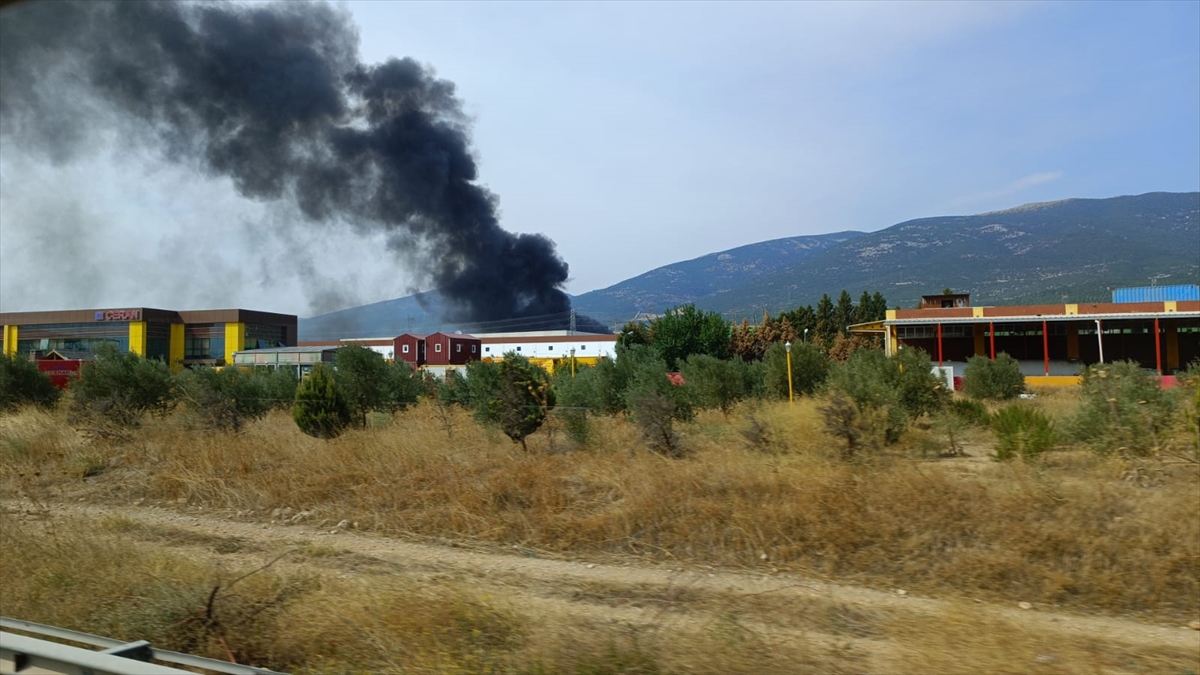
{"x": 1122, "y": 409}
{"x": 842, "y": 420}
{"x": 524, "y": 397}
{"x": 969, "y": 412}
{"x": 321, "y": 409}
{"x": 715, "y": 383}
{"x": 578, "y": 396}
{"x": 226, "y": 398}
{"x": 280, "y": 387}
{"x": 1022, "y": 431}
{"x": 986, "y": 379}
{"x": 121, "y": 386}
{"x": 655, "y": 402}
{"x": 810, "y": 369}
{"x": 893, "y": 390}
{"x": 21, "y": 383}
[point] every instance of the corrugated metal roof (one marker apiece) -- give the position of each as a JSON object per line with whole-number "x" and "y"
{"x": 1176, "y": 293}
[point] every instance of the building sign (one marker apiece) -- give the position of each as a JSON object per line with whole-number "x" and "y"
{"x": 119, "y": 315}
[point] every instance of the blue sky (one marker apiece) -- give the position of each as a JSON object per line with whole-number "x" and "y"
{"x": 640, "y": 134}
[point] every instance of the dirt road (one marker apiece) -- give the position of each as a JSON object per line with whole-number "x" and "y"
{"x": 629, "y": 590}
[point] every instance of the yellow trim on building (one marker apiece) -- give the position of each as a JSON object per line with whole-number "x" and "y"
{"x": 235, "y": 340}
{"x": 891, "y": 315}
{"x": 1051, "y": 381}
{"x": 1170, "y": 306}
{"x": 10, "y": 340}
{"x": 137, "y": 337}
{"x": 977, "y": 312}
{"x": 175, "y": 350}
{"x": 1072, "y": 310}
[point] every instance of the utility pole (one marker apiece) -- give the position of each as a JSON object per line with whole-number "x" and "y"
{"x": 572, "y": 331}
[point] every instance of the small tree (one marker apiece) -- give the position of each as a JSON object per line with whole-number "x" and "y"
{"x": 362, "y": 376}
{"x": 810, "y": 368}
{"x": 986, "y": 379}
{"x": 403, "y": 385}
{"x": 224, "y": 399}
{"x": 121, "y": 386}
{"x": 321, "y": 409}
{"x": 21, "y": 383}
{"x": 841, "y": 418}
{"x": 578, "y": 395}
{"x": 524, "y": 397}
{"x": 715, "y": 383}
{"x": 279, "y": 385}
{"x": 1122, "y": 408}
{"x": 685, "y": 330}
{"x": 656, "y": 402}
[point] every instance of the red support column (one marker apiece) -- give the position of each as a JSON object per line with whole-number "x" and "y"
{"x": 992, "y": 334}
{"x": 939, "y": 344}
{"x": 1046, "y": 347}
{"x": 1157, "y": 348}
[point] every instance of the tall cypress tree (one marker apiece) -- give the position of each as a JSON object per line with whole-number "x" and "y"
{"x": 321, "y": 409}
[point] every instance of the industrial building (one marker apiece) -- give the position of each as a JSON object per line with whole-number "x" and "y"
{"x": 551, "y": 349}
{"x": 181, "y": 338}
{"x": 1052, "y": 342}
{"x": 439, "y": 353}
{"x": 299, "y": 360}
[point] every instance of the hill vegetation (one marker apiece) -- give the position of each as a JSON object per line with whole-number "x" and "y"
{"x": 1073, "y": 250}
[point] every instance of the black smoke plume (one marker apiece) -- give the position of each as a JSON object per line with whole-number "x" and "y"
{"x": 274, "y": 97}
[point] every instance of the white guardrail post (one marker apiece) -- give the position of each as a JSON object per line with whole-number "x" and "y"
{"x": 24, "y": 655}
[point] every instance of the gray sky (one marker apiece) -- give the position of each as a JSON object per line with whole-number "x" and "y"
{"x": 639, "y": 134}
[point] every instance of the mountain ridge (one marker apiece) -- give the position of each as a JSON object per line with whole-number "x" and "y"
{"x": 1071, "y": 250}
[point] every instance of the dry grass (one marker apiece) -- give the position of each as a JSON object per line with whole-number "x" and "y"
{"x": 99, "y": 580}
{"x": 1068, "y": 531}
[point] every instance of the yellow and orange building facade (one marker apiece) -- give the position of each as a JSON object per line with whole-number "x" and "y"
{"x": 180, "y": 338}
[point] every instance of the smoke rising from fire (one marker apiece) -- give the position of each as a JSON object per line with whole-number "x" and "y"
{"x": 273, "y": 97}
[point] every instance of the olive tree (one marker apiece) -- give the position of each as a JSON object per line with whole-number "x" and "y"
{"x": 524, "y": 396}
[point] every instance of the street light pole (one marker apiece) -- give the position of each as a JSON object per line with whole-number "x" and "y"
{"x": 1100, "y": 340}
{"x": 787, "y": 347}
{"x": 805, "y": 335}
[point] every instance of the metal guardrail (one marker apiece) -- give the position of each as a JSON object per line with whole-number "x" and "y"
{"x": 22, "y": 655}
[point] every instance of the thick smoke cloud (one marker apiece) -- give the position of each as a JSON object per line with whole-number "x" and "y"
{"x": 274, "y": 98}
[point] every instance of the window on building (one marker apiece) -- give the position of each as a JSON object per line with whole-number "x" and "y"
{"x": 551, "y": 347}
{"x": 473, "y": 348}
{"x": 438, "y": 347}
{"x": 487, "y": 349}
{"x": 583, "y": 348}
{"x": 518, "y": 347}
{"x": 404, "y": 349}
{"x": 458, "y": 348}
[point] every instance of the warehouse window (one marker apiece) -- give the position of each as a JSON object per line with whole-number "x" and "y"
{"x": 487, "y": 349}
{"x": 438, "y": 347}
{"x": 583, "y": 348}
{"x": 404, "y": 349}
{"x": 518, "y": 348}
{"x": 458, "y": 348}
{"x": 551, "y": 347}
{"x": 473, "y": 348}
